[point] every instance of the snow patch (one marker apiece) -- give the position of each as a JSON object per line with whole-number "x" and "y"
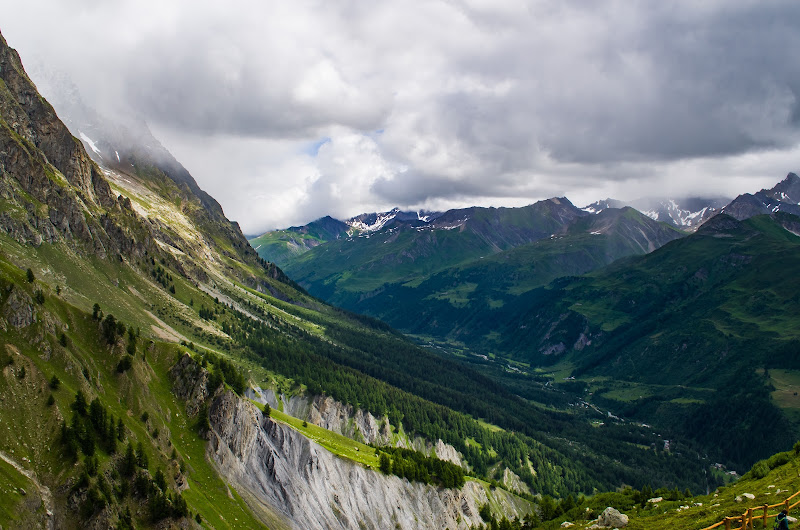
{"x": 91, "y": 143}
{"x": 652, "y": 214}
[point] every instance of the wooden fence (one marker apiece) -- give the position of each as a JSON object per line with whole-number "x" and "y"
{"x": 748, "y": 519}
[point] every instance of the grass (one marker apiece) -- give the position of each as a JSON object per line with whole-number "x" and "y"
{"x": 335, "y": 443}
{"x": 787, "y": 388}
{"x": 700, "y": 511}
{"x": 458, "y": 296}
{"x": 21, "y": 506}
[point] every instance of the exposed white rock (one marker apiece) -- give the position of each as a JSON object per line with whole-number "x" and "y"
{"x": 291, "y": 481}
{"x": 512, "y": 482}
{"x": 353, "y": 423}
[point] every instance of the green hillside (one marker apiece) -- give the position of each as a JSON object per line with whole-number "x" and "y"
{"x": 280, "y": 246}
{"x": 687, "y": 336}
{"x": 771, "y": 482}
{"x": 468, "y": 303}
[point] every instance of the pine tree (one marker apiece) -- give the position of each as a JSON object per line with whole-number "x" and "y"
{"x": 129, "y": 461}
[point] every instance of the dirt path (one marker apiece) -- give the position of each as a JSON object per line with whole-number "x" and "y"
{"x": 44, "y": 491}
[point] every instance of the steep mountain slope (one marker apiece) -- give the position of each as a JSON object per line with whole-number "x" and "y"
{"x": 683, "y": 325}
{"x": 111, "y": 278}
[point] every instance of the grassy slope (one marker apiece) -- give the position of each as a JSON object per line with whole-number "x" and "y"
{"x": 782, "y": 481}
{"x": 32, "y": 427}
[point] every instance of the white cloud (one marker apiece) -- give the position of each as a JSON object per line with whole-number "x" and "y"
{"x": 447, "y": 103}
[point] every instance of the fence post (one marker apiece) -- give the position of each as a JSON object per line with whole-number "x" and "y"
{"x": 764, "y": 519}
{"x": 786, "y": 505}
{"x": 727, "y": 523}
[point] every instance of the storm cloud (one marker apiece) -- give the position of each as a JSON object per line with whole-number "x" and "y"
{"x": 287, "y": 111}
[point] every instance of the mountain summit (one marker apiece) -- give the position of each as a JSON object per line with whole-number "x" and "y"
{"x": 783, "y": 197}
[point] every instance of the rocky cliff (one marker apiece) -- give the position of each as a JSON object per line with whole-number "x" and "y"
{"x": 305, "y": 486}
{"x": 354, "y": 423}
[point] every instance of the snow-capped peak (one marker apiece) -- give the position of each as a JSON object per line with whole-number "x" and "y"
{"x": 372, "y": 222}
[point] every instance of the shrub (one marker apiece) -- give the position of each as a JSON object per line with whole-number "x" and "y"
{"x": 759, "y": 470}
{"x": 125, "y": 364}
{"x": 778, "y": 460}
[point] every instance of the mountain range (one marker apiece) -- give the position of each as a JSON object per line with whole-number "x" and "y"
{"x": 143, "y": 338}
{"x": 158, "y": 372}
{"x": 600, "y": 293}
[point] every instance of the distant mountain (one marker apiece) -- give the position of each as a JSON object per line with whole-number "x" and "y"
{"x": 466, "y": 303}
{"x": 401, "y": 249}
{"x": 280, "y": 245}
{"x": 434, "y": 273}
{"x": 685, "y": 214}
{"x": 371, "y": 222}
{"x": 783, "y": 197}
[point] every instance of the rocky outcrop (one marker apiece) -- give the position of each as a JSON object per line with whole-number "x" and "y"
{"x": 18, "y": 309}
{"x": 354, "y": 423}
{"x": 512, "y": 482}
{"x": 309, "y": 487}
{"x": 189, "y": 383}
{"x": 34, "y": 121}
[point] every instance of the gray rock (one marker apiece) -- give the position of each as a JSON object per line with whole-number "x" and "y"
{"x": 295, "y": 482}
{"x": 612, "y": 518}
{"x": 18, "y": 309}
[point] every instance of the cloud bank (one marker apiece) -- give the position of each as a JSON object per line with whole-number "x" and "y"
{"x": 287, "y": 111}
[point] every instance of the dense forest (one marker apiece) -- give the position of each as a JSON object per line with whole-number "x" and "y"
{"x": 437, "y": 398}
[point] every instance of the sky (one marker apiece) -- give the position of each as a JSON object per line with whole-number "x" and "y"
{"x": 289, "y": 111}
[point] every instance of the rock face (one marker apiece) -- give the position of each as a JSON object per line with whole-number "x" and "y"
{"x": 18, "y": 309}
{"x": 353, "y": 423}
{"x": 305, "y": 486}
{"x": 35, "y": 122}
{"x": 189, "y": 383}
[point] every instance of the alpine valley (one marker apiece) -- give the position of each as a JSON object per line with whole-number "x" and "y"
{"x": 561, "y": 364}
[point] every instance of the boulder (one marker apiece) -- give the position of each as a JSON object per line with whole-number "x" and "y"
{"x": 612, "y": 518}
